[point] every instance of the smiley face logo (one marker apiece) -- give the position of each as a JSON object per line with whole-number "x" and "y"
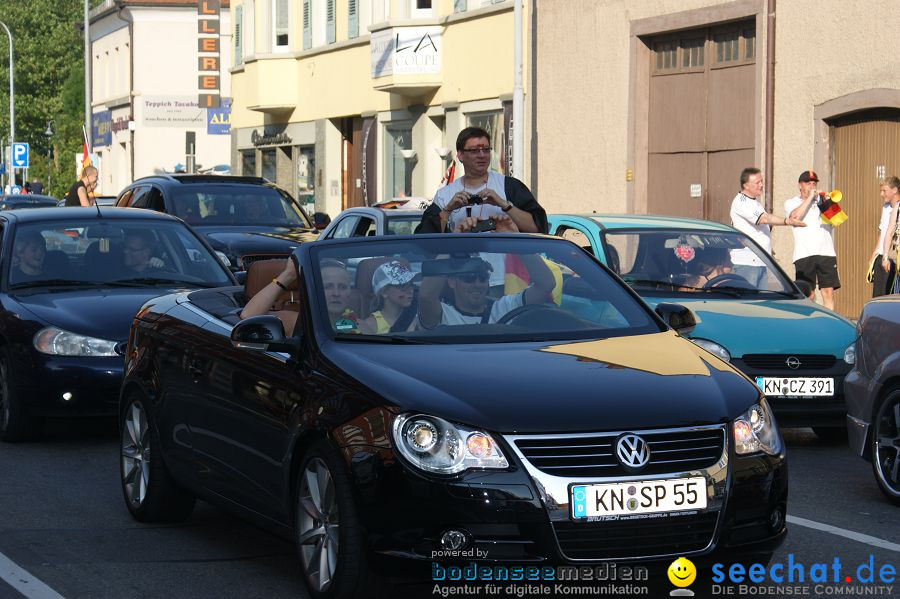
{"x": 682, "y": 572}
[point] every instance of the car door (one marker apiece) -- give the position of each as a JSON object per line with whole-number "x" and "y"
{"x": 365, "y": 227}
{"x": 240, "y": 419}
{"x": 125, "y": 198}
{"x": 139, "y": 197}
{"x": 154, "y": 200}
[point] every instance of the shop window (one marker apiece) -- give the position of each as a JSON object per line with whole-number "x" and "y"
{"x": 399, "y": 161}
{"x": 692, "y": 53}
{"x": 492, "y": 122}
{"x": 727, "y": 47}
{"x": 280, "y": 25}
{"x": 306, "y": 171}
{"x": 269, "y": 165}
{"x": 248, "y": 163}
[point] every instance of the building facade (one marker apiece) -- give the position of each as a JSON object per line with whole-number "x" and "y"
{"x": 352, "y": 102}
{"x": 659, "y": 105}
{"x": 146, "y": 114}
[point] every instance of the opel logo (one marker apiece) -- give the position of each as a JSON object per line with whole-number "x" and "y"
{"x": 793, "y": 362}
{"x": 632, "y": 451}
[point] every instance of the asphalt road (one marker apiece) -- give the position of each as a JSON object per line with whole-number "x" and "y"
{"x": 63, "y": 522}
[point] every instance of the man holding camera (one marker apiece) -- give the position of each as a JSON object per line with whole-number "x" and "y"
{"x": 481, "y": 193}
{"x": 814, "y": 257}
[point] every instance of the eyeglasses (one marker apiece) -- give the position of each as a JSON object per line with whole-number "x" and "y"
{"x": 486, "y": 150}
{"x": 471, "y": 277}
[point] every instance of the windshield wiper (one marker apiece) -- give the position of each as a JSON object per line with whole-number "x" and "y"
{"x": 390, "y": 339}
{"x": 52, "y": 283}
{"x": 153, "y": 282}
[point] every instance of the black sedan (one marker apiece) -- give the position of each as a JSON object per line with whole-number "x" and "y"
{"x": 242, "y": 218}
{"x": 71, "y": 281}
{"x": 565, "y": 423}
{"x": 26, "y": 200}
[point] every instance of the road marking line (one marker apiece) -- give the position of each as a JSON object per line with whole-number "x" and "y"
{"x": 24, "y": 582}
{"x": 843, "y": 532}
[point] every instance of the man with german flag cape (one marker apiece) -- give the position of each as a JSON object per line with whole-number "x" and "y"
{"x": 814, "y": 257}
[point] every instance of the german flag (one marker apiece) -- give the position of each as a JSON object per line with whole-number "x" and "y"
{"x": 829, "y": 206}
{"x": 517, "y": 278}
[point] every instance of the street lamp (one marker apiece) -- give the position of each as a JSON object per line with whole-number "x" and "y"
{"x": 49, "y": 133}
{"x": 12, "y": 101}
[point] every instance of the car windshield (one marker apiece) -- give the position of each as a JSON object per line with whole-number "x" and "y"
{"x": 658, "y": 261}
{"x": 470, "y": 289}
{"x": 110, "y": 252}
{"x": 237, "y": 205}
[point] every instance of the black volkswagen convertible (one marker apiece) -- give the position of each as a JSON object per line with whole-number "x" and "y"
{"x": 71, "y": 281}
{"x": 414, "y": 410}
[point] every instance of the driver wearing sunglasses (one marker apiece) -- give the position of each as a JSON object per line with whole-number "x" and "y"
{"x": 470, "y": 284}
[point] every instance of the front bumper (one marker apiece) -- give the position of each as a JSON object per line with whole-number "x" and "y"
{"x": 68, "y": 386}
{"x": 522, "y": 515}
{"x": 805, "y": 411}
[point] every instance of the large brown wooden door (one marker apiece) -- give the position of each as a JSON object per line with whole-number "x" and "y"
{"x": 352, "y": 148}
{"x": 866, "y": 149}
{"x": 701, "y": 119}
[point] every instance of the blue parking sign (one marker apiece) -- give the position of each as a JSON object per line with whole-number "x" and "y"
{"x": 20, "y": 155}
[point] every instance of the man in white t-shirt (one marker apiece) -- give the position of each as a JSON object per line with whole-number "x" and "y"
{"x": 814, "y": 257}
{"x": 884, "y": 268}
{"x": 749, "y": 217}
{"x": 469, "y": 280}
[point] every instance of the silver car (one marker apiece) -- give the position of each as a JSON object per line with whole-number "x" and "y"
{"x": 873, "y": 392}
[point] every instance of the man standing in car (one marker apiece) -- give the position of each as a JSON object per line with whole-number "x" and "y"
{"x": 815, "y": 260}
{"x": 81, "y": 192}
{"x": 481, "y": 192}
{"x": 749, "y": 217}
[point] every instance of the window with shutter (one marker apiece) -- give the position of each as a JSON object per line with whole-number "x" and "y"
{"x": 281, "y": 28}
{"x": 238, "y": 36}
{"x": 352, "y": 18}
{"x": 307, "y": 25}
{"x": 329, "y": 21}
{"x": 459, "y": 5}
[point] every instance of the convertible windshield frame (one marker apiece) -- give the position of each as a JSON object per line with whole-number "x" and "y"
{"x": 631, "y": 315}
{"x": 668, "y": 288}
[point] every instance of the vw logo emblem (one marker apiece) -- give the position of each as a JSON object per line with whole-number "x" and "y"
{"x": 793, "y": 363}
{"x": 632, "y": 451}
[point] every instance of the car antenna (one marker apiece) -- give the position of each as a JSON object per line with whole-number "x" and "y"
{"x": 97, "y": 206}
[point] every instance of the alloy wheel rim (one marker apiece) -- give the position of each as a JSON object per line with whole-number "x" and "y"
{"x": 318, "y": 524}
{"x": 135, "y": 455}
{"x": 887, "y": 445}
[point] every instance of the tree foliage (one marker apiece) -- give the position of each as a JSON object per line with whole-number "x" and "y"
{"x": 48, "y": 48}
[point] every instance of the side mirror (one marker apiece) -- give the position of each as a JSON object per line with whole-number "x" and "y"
{"x": 261, "y": 333}
{"x": 804, "y": 287}
{"x": 677, "y": 317}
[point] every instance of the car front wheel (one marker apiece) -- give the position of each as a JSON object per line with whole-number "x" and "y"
{"x": 329, "y": 538}
{"x": 150, "y": 492}
{"x": 886, "y": 444}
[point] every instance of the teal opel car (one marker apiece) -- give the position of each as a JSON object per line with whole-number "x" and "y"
{"x": 795, "y": 350}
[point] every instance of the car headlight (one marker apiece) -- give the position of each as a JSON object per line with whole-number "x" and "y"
{"x": 713, "y": 348}
{"x": 57, "y": 342}
{"x": 223, "y": 258}
{"x": 436, "y": 445}
{"x": 850, "y": 354}
{"x": 755, "y": 430}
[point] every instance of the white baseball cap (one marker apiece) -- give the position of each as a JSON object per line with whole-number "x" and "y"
{"x": 391, "y": 273}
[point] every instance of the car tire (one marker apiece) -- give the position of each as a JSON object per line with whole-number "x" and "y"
{"x": 831, "y": 434}
{"x": 329, "y": 538}
{"x": 150, "y": 492}
{"x": 16, "y": 424}
{"x": 885, "y": 444}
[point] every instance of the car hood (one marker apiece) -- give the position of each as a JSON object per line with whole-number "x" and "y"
{"x": 768, "y": 326}
{"x": 237, "y": 241}
{"x": 646, "y": 381}
{"x": 102, "y": 313}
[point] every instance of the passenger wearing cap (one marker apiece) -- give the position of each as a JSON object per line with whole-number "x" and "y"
{"x": 394, "y": 309}
{"x": 469, "y": 281}
{"x": 815, "y": 260}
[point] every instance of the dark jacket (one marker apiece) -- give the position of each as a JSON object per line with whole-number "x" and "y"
{"x": 516, "y": 193}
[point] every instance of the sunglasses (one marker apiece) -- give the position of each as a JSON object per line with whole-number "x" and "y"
{"x": 477, "y": 150}
{"x": 471, "y": 277}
